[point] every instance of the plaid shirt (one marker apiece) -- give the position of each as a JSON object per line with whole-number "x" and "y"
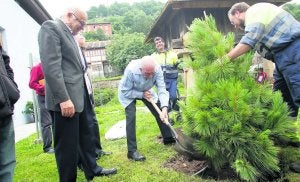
{"x": 270, "y": 26}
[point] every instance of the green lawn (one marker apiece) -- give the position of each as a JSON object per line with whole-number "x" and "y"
{"x": 34, "y": 165}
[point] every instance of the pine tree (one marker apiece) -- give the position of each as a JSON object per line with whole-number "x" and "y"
{"x": 234, "y": 120}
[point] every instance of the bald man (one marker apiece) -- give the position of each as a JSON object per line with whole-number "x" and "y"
{"x": 67, "y": 95}
{"x": 139, "y": 77}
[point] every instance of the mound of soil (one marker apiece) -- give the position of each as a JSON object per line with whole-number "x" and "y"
{"x": 181, "y": 163}
{"x": 188, "y": 166}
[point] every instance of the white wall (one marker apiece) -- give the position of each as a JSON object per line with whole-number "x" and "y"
{"x": 20, "y": 40}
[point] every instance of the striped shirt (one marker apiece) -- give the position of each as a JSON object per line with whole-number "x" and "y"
{"x": 271, "y": 26}
{"x": 133, "y": 84}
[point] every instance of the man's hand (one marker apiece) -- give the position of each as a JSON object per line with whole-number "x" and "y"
{"x": 147, "y": 95}
{"x": 164, "y": 114}
{"x": 67, "y": 108}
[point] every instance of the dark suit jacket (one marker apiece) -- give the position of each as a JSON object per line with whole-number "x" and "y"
{"x": 62, "y": 66}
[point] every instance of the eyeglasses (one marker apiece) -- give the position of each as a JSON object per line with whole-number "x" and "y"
{"x": 82, "y": 23}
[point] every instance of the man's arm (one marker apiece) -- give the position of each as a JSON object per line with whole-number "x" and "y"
{"x": 238, "y": 50}
{"x": 34, "y": 80}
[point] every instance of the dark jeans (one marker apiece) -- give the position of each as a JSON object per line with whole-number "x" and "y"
{"x": 288, "y": 70}
{"x": 7, "y": 149}
{"x": 280, "y": 85}
{"x": 46, "y": 124}
{"x": 130, "y": 111}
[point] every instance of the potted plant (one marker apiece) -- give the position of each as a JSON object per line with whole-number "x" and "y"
{"x": 28, "y": 112}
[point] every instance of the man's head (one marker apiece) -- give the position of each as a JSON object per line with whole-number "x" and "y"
{"x": 159, "y": 44}
{"x": 81, "y": 41}
{"x": 148, "y": 66}
{"x": 236, "y": 14}
{"x": 75, "y": 18}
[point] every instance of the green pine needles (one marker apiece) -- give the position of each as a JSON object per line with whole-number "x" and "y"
{"x": 234, "y": 120}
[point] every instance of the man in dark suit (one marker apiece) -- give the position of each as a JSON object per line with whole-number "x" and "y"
{"x": 92, "y": 116}
{"x": 67, "y": 95}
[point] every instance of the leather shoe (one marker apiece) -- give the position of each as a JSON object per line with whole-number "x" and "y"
{"x": 102, "y": 153}
{"x": 106, "y": 172}
{"x": 136, "y": 156}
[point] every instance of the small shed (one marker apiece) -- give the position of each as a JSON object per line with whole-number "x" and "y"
{"x": 177, "y": 15}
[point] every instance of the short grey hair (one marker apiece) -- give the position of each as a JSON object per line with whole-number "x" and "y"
{"x": 238, "y": 7}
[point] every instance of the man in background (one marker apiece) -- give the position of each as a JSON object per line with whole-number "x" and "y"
{"x": 37, "y": 83}
{"x": 92, "y": 116}
{"x": 168, "y": 61}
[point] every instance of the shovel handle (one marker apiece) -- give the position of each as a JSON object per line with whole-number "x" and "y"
{"x": 165, "y": 120}
{"x": 158, "y": 110}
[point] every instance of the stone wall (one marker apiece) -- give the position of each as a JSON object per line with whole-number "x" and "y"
{"x": 106, "y": 84}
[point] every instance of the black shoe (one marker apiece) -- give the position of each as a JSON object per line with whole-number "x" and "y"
{"x": 106, "y": 172}
{"x": 102, "y": 153}
{"x": 169, "y": 141}
{"x": 49, "y": 151}
{"x": 136, "y": 156}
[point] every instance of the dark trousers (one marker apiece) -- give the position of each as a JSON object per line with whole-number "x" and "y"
{"x": 280, "y": 85}
{"x": 130, "y": 111}
{"x": 46, "y": 123}
{"x": 72, "y": 138}
{"x": 288, "y": 69}
{"x": 96, "y": 133}
{"x": 7, "y": 149}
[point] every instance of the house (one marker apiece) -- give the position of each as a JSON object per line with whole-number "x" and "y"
{"x": 95, "y": 57}
{"x": 92, "y": 27}
{"x": 18, "y": 35}
{"x": 95, "y": 52}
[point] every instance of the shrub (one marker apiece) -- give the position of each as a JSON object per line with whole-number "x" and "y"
{"x": 234, "y": 120}
{"x": 103, "y": 96}
{"x": 28, "y": 108}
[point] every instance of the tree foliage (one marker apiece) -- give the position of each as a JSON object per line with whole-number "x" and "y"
{"x": 234, "y": 120}
{"x": 95, "y": 36}
{"x": 126, "y": 18}
{"x": 127, "y": 47}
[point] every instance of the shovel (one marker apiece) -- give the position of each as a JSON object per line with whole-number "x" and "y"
{"x": 184, "y": 144}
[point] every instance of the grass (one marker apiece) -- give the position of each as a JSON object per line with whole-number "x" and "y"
{"x": 35, "y": 166}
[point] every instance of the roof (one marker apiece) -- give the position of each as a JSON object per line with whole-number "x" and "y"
{"x": 35, "y": 9}
{"x": 96, "y": 44}
{"x": 173, "y": 6}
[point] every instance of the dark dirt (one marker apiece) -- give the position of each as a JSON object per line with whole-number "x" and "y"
{"x": 185, "y": 165}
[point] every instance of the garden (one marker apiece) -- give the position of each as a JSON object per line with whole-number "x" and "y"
{"x": 241, "y": 129}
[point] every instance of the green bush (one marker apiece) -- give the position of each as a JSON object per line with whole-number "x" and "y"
{"x": 28, "y": 108}
{"x": 235, "y": 121}
{"x": 103, "y": 96}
